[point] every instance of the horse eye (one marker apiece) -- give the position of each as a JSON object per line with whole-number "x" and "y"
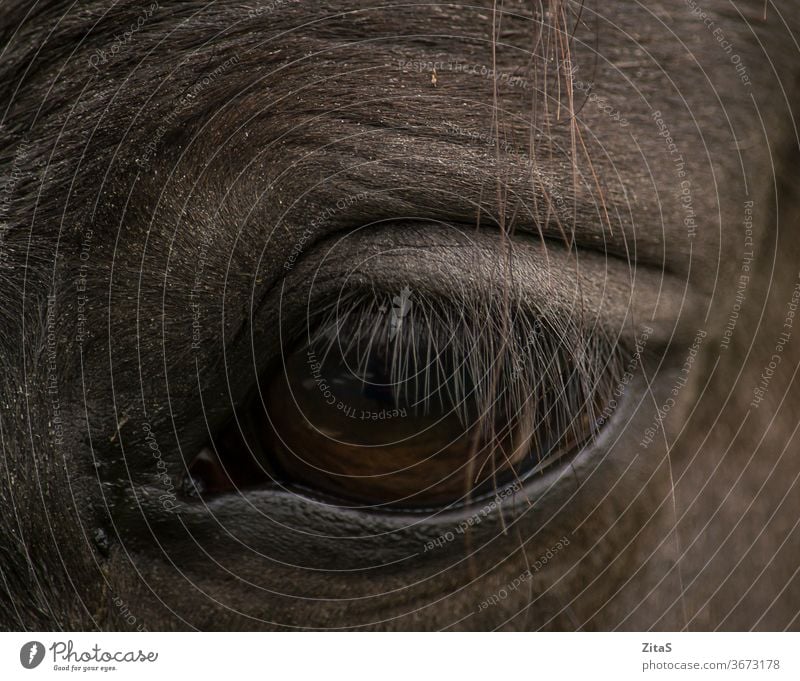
{"x": 373, "y": 414}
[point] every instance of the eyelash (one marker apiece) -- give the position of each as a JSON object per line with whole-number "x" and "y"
{"x": 525, "y": 367}
{"x": 528, "y": 388}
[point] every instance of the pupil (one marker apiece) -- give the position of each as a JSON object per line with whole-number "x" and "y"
{"x": 335, "y": 390}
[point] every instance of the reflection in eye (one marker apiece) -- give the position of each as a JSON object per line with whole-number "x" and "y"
{"x": 415, "y": 405}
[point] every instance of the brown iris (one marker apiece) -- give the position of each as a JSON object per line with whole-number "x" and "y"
{"x": 344, "y": 425}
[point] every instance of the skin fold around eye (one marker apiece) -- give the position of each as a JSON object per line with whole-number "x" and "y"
{"x": 483, "y": 359}
{"x": 441, "y": 263}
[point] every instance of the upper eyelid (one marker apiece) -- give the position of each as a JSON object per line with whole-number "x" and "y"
{"x": 446, "y": 261}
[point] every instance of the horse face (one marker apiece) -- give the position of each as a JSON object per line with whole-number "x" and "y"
{"x": 327, "y": 316}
